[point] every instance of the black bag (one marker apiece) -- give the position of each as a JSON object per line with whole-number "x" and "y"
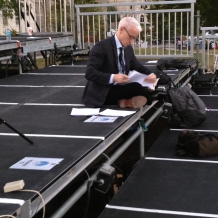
{"x": 164, "y": 79}
{"x": 188, "y": 109}
{"x": 171, "y": 64}
{"x": 197, "y": 144}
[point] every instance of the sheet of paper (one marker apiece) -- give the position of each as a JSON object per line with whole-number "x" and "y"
{"x": 155, "y": 61}
{"x": 101, "y": 119}
{"x": 36, "y": 163}
{"x": 165, "y": 71}
{"x": 85, "y": 111}
{"x": 135, "y": 76}
{"x": 116, "y": 113}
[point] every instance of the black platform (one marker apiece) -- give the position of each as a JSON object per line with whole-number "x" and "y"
{"x": 39, "y": 104}
{"x": 59, "y": 46}
{"x": 177, "y": 76}
{"x": 165, "y": 185}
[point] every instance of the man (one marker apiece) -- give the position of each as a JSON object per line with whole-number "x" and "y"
{"x": 108, "y": 68}
{"x": 179, "y": 44}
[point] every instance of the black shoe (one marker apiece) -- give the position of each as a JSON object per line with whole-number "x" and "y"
{"x": 158, "y": 95}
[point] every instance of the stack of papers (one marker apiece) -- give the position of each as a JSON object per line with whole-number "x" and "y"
{"x": 100, "y": 119}
{"x": 95, "y": 111}
{"x": 106, "y": 116}
{"x": 152, "y": 62}
{"x": 36, "y": 163}
{"x": 135, "y": 76}
{"x": 165, "y": 71}
{"x": 109, "y": 112}
{"x": 85, "y": 111}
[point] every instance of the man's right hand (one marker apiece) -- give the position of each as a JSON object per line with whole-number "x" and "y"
{"x": 121, "y": 78}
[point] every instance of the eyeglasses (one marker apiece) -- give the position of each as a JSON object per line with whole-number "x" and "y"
{"x": 130, "y": 36}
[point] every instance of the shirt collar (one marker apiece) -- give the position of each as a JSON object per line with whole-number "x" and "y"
{"x": 118, "y": 44}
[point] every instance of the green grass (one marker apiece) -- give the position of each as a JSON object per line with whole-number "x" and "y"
{"x": 41, "y": 62}
{"x": 208, "y": 58}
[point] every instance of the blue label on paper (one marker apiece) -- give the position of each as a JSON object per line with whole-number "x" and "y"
{"x": 41, "y": 163}
{"x": 105, "y": 119}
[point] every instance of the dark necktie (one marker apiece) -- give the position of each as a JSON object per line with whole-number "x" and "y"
{"x": 121, "y": 60}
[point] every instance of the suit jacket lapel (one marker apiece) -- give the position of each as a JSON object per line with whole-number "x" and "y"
{"x": 115, "y": 51}
{"x": 126, "y": 61}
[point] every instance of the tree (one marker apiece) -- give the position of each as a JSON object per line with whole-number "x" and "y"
{"x": 208, "y": 11}
{"x": 9, "y": 8}
{"x": 158, "y": 22}
{"x": 95, "y": 19}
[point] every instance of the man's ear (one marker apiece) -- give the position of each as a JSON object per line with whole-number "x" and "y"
{"x": 121, "y": 28}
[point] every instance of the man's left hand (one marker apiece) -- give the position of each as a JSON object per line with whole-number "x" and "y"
{"x": 151, "y": 78}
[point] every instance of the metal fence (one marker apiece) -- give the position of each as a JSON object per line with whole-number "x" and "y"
{"x": 162, "y": 26}
{"x": 208, "y": 42}
{"x": 46, "y": 15}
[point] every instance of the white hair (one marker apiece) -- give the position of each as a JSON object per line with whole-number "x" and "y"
{"x": 126, "y": 21}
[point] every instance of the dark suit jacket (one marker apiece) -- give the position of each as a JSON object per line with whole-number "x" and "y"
{"x": 103, "y": 61}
